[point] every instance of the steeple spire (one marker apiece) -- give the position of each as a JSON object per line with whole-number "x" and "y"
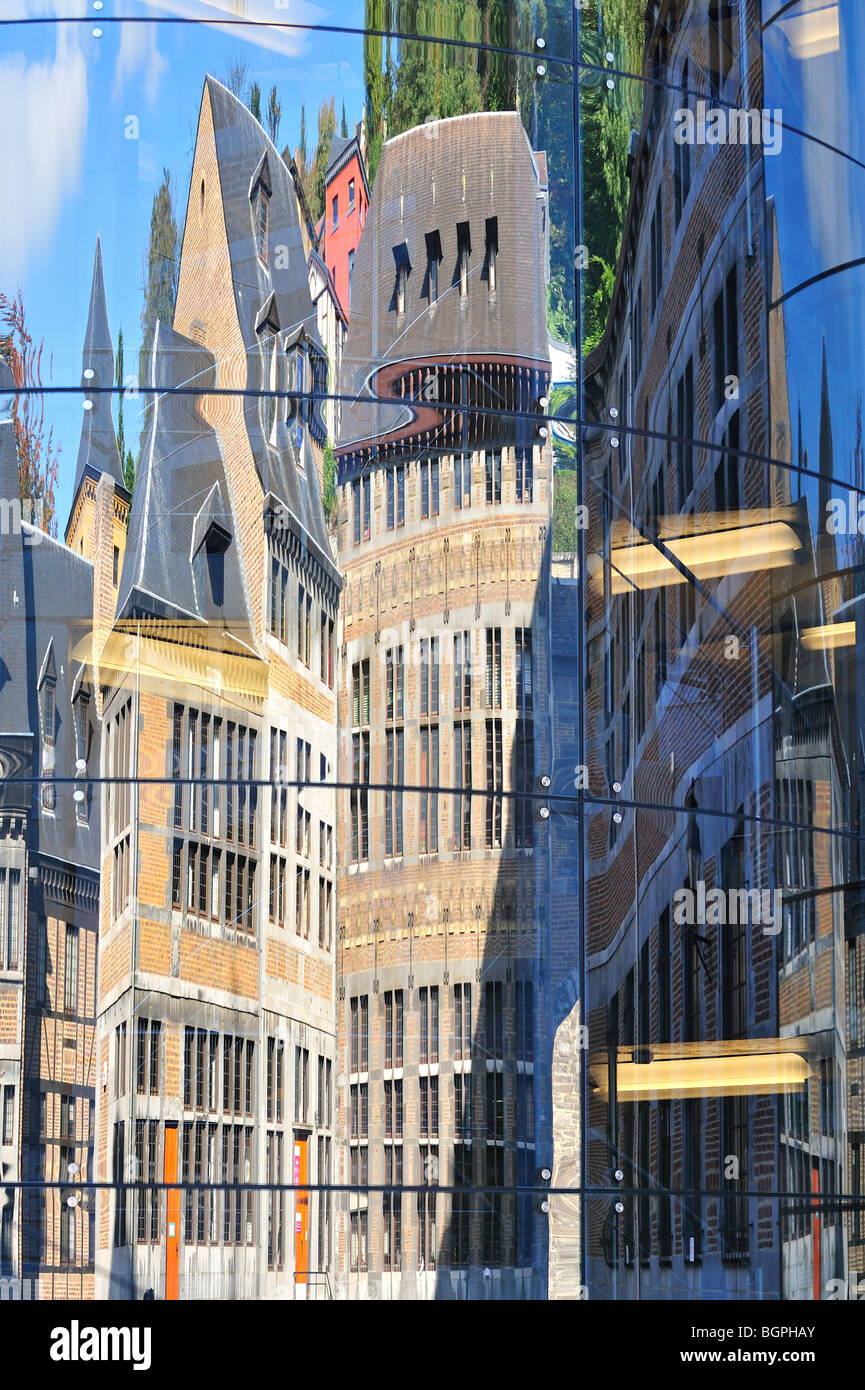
{"x": 98, "y": 446}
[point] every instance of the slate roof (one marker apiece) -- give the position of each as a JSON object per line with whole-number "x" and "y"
{"x": 244, "y": 152}
{"x": 464, "y": 169}
{"x": 181, "y": 514}
{"x": 46, "y": 605}
{"x": 338, "y": 147}
{"x": 98, "y": 445}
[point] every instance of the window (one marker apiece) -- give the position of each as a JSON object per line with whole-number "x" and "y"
{"x": 148, "y": 1057}
{"x": 494, "y": 667}
{"x": 350, "y": 276}
{"x": 70, "y": 970}
{"x": 681, "y": 164}
{"x": 524, "y": 472}
{"x": 637, "y": 335}
{"x": 495, "y": 783}
{"x": 401, "y": 281}
{"x": 493, "y": 464}
{"x": 396, "y": 496}
{"x": 463, "y": 1021}
{"x": 685, "y": 430}
{"x": 426, "y": 1208}
{"x": 326, "y": 649}
{"x": 334, "y": 212}
{"x": 428, "y": 1092}
{"x": 301, "y": 1084}
{"x": 492, "y": 252}
{"x": 433, "y": 256}
{"x": 261, "y": 206}
{"x": 462, "y": 805}
{"x": 394, "y": 775}
{"x": 392, "y": 1209}
{"x": 115, "y": 566}
{"x": 429, "y": 778}
{"x": 723, "y": 15}
{"x": 462, "y": 480}
{"x": 429, "y": 488}
{"x": 359, "y": 1032}
{"x": 657, "y": 251}
{"x": 350, "y": 195}
{"x": 429, "y": 675}
{"x": 278, "y": 599}
{"x": 462, "y": 670}
{"x": 304, "y": 625}
{"x": 359, "y": 795}
{"x": 7, "y": 1117}
{"x": 464, "y": 250}
{"x": 358, "y": 1228}
{"x": 727, "y": 496}
{"x": 393, "y": 1028}
{"x": 428, "y": 1004}
{"x": 725, "y": 338}
{"x": 10, "y": 918}
{"x": 524, "y": 739}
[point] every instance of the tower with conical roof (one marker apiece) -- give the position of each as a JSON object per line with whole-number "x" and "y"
{"x": 98, "y": 454}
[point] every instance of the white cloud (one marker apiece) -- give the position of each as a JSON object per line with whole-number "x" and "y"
{"x": 138, "y": 49}
{"x": 40, "y": 161}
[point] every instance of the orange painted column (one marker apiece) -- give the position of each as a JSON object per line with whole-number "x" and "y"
{"x": 172, "y": 1215}
{"x": 301, "y": 1218}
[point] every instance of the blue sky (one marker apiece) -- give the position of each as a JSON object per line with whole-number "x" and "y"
{"x": 76, "y": 173}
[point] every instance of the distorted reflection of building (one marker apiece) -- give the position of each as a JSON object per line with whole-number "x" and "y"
{"x": 49, "y": 861}
{"x": 717, "y": 1038}
{"x": 443, "y": 519}
{"x": 215, "y": 1027}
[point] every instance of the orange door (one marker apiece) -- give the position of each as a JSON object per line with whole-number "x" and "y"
{"x": 301, "y": 1210}
{"x": 816, "y": 1225}
{"x": 172, "y": 1215}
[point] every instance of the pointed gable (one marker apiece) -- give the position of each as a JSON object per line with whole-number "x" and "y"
{"x": 182, "y": 517}
{"x": 97, "y": 449}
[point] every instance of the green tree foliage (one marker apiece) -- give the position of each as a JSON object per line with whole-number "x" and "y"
{"x": 255, "y": 101}
{"x": 608, "y": 116}
{"x": 274, "y": 115}
{"x": 36, "y": 450}
{"x": 330, "y": 499}
{"x": 313, "y": 184}
{"x": 127, "y": 458}
{"x": 565, "y": 510}
{"x": 343, "y": 125}
{"x": 378, "y": 15}
{"x": 235, "y": 75}
{"x": 161, "y": 269}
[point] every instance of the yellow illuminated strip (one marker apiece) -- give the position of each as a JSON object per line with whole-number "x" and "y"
{"x": 749, "y": 1075}
{"x": 828, "y": 637}
{"x": 738, "y": 551}
{"x": 813, "y": 34}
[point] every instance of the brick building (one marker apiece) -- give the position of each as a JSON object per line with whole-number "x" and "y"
{"x": 49, "y": 844}
{"x": 215, "y": 1025}
{"x": 717, "y": 1045}
{"x": 445, "y": 490}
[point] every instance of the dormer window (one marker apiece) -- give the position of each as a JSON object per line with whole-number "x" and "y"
{"x": 262, "y": 221}
{"x": 299, "y": 414}
{"x": 433, "y": 256}
{"x": 267, "y": 330}
{"x": 492, "y": 251}
{"x": 46, "y": 709}
{"x": 464, "y": 250}
{"x": 403, "y": 266}
{"x": 259, "y": 197}
{"x": 47, "y": 718}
